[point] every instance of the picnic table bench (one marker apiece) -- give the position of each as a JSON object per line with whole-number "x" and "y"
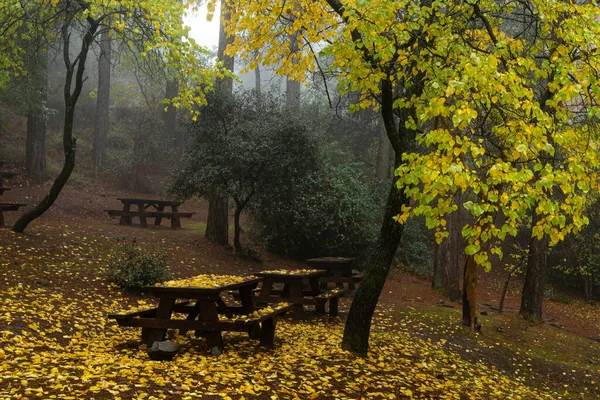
{"x": 300, "y": 287}
{"x": 339, "y": 271}
{"x": 9, "y": 207}
{"x": 148, "y": 208}
{"x": 209, "y": 315}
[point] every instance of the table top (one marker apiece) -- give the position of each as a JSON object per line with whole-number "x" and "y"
{"x": 331, "y": 260}
{"x": 149, "y": 201}
{"x": 193, "y": 291}
{"x": 7, "y": 174}
{"x": 13, "y": 204}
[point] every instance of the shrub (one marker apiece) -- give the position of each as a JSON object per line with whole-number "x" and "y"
{"x": 329, "y": 212}
{"x": 130, "y": 268}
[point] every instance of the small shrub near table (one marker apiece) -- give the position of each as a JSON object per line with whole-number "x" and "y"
{"x": 130, "y": 268}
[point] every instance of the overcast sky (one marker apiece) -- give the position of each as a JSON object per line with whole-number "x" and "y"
{"x": 204, "y": 32}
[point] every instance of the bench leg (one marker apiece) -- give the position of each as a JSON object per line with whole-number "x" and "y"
{"x": 320, "y": 307}
{"x": 175, "y": 222}
{"x": 351, "y": 285}
{"x": 254, "y": 333}
{"x": 164, "y": 311}
{"x": 333, "y": 306}
{"x": 1, "y": 218}
{"x": 267, "y": 332}
{"x": 158, "y": 220}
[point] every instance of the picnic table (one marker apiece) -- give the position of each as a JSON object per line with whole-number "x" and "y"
{"x": 4, "y": 175}
{"x": 300, "y": 287}
{"x": 339, "y": 271}
{"x": 150, "y": 208}
{"x": 208, "y": 315}
{"x": 9, "y": 207}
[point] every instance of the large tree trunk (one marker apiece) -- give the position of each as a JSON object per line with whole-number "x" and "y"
{"x": 469, "y": 314}
{"x": 217, "y": 228}
{"x": 102, "y": 101}
{"x": 170, "y": 116}
{"x": 35, "y": 147}
{"x": 257, "y": 83}
{"x": 535, "y": 277}
{"x": 72, "y": 68}
{"x": 237, "y": 245}
{"x": 382, "y": 163}
{"x": 292, "y": 87}
{"x": 448, "y": 257}
{"x": 358, "y": 324}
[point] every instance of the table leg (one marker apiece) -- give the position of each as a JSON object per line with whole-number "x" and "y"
{"x": 314, "y": 291}
{"x": 175, "y": 220}
{"x": 295, "y": 291}
{"x": 158, "y": 219}
{"x": 1, "y": 218}
{"x": 143, "y": 221}
{"x": 338, "y": 276}
{"x": 164, "y": 311}
{"x": 125, "y": 219}
{"x": 208, "y": 312}
{"x": 247, "y": 299}
{"x": 267, "y": 332}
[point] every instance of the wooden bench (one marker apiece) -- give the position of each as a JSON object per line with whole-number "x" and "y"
{"x": 260, "y": 324}
{"x": 126, "y": 216}
{"x": 333, "y": 296}
{"x": 9, "y": 207}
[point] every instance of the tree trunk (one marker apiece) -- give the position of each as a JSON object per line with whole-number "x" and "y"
{"x": 236, "y": 238}
{"x": 382, "y": 163}
{"x": 217, "y": 227}
{"x": 102, "y": 101}
{"x": 470, "y": 292}
{"x": 358, "y": 324}
{"x": 292, "y": 87}
{"x": 170, "y": 116}
{"x": 217, "y": 223}
{"x": 35, "y": 148}
{"x": 535, "y": 277}
{"x": 257, "y": 83}
{"x": 448, "y": 257}
{"x": 77, "y": 67}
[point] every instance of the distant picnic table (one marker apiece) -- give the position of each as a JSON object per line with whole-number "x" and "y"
{"x": 4, "y": 175}
{"x": 339, "y": 271}
{"x": 300, "y": 287}
{"x": 150, "y": 208}
{"x": 209, "y": 315}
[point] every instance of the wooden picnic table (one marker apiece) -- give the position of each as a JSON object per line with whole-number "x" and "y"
{"x": 300, "y": 287}
{"x": 203, "y": 314}
{"x": 339, "y": 270}
{"x": 150, "y": 208}
{"x": 4, "y": 175}
{"x": 9, "y": 207}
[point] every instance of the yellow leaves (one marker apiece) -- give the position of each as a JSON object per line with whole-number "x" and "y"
{"x": 205, "y": 281}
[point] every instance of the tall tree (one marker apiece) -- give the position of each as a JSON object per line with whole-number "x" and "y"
{"x": 35, "y": 145}
{"x": 217, "y": 223}
{"x": 101, "y": 125}
{"x": 459, "y": 63}
{"x": 79, "y": 22}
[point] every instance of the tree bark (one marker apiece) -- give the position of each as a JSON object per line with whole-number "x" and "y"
{"x": 535, "y": 277}
{"x": 35, "y": 147}
{"x": 382, "y": 162}
{"x": 73, "y": 68}
{"x": 237, "y": 245}
{"x": 470, "y": 292}
{"x": 257, "y": 83}
{"x": 217, "y": 228}
{"x": 292, "y": 87}
{"x": 102, "y": 101}
{"x": 448, "y": 256}
{"x": 358, "y": 324}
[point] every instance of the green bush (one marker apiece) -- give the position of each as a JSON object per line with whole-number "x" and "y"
{"x": 414, "y": 252}
{"x": 329, "y": 212}
{"x": 130, "y": 268}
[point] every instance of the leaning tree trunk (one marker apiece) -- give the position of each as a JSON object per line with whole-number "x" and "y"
{"x": 72, "y": 68}
{"x": 469, "y": 314}
{"x": 35, "y": 148}
{"x": 217, "y": 227}
{"x": 358, "y": 324}
{"x": 237, "y": 245}
{"x": 447, "y": 263}
{"x": 102, "y": 102}
{"x": 382, "y": 162}
{"x": 535, "y": 277}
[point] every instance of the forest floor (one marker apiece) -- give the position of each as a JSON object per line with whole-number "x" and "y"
{"x": 56, "y": 340}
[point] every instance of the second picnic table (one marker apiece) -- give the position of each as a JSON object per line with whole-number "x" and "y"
{"x": 150, "y": 208}
{"x": 339, "y": 271}
{"x": 300, "y": 287}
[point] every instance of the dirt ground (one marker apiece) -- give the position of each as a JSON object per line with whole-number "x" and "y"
{"x": 561, "y": 354}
